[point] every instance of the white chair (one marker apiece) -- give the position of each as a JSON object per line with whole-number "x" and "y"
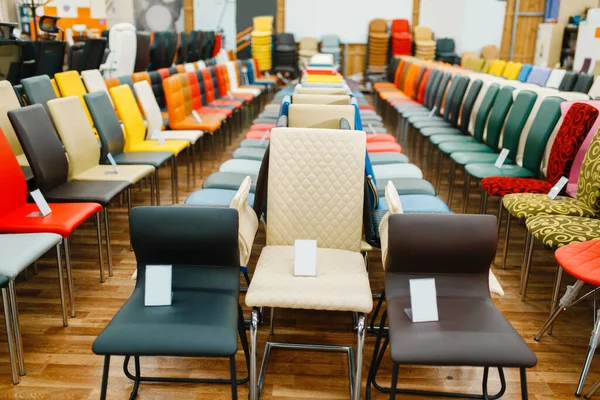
{"x": 200, "y": 64}
{"x": 323, "y": 204}
{"x": 94, "y": 82}
{"x": 233, "y": 82}
{"x": 555, "y": 78}
{"x": 122, "y": 43}
{"x": 154, "y": 121}
{"x": 189, "y": 67}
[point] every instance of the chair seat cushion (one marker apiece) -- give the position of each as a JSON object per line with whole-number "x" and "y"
{"x": 258, "y": 143}
{"x": 503, "y": 185}
{"x": 264, "y": 121}
{"x": 439, "y": 130}
{"x": 380, "y": 137}
{"x": 22, "y": 250}
{"x": 190, "y": 136}
{"x": 249, "y": 153}
{"x": 405, "y": 186}
{"x": 216, "y": 197}
{"x": 228, "y": 180}
{"x": 190, "y": 123}
{"x": 453, "y": 147}
{"x": 481, "y": 171}
{"x": 173, "y": 146}
{"x": 101, "y": 192}
{"x": 379, "y": 147}
{"x": 209, "y": 110}
{"x": 262, "y": 127}
{"x": 424, "y": 117}
{"x": 341, "y": 284}
{"x": 205, "y": 321}
{"x": 471, "y": 330}
{"x": 128, "y": 173}
{"x": 388, "y": 158}
{"x": 526, "y": 205}
{"x": 156, "y": 159}
{"x": 391, "y": 171}
{"x": 464, "y": 158}
{"x": 557, "y": 230}
{"x": 63, "y": 220}
{"x": 438, "y": 139}
{"x": 419, "y": 203}
{"x": 581, "y": 261}
{"x": 248, "y": 167}
{"x": 431, "y": 124}
{"x": 258, "y": 135}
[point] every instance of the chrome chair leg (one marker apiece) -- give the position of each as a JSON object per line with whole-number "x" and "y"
{"x": 9, "y": 335}
{"x": 555, "y": 292}
{"x": 253, "y": 395}
{"x": 61, "y": 285}
{"x": 107, "y": 237}
{"x": 359, "y": 356}
{"x": 589, "y": 357}
{"x": 69, "y": 276}
{"x": 466, "y": 192}
{"x": 12, "y": 293}
{"x": 527, "y": 267}
{"x": 174, "y": 194}
{"x": 99, "y": 238}
{"x": 506, "y": 237}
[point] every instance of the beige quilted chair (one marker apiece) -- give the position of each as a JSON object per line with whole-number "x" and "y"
{"x": 309, "y": 46}
{"x": 490, "y": 52}
{"x": 319, "y": 116}
{"x": 317, "y": 90}
{"x": 340, "y": 99}
{"x": 327, "y": 208}
{"x": 378, "y": 46}
{"x": 425, "y": 45}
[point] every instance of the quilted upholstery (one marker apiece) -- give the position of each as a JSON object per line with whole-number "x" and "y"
{"x": 323, "y": 172}
{"x": 341, "y": 284}
{"x": 318, "y": 116}
{"x": 558, "y": 230}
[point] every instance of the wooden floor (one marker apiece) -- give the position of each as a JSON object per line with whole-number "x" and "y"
{"x": 61, "y": 365}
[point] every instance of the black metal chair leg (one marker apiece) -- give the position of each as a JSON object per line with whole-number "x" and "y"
{"x": 136, "y": 382}
{"x": 233, "y": 378}
{"x": 243, "y": 337}
{"x": 484, "y": 384}
{"x": 524, "y": 394}
{"x": 104, "y": 386}
{"x": 394, "y": 381}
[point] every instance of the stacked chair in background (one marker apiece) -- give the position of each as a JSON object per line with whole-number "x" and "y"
{"x": 445, "y": 51}
{"x": 330, "y": 44}
{"x": 308, "y": 47}
{"x": 378, "y": 46}
{"x": 490, "y": 52}
{"x": 402, "y": 40}
{"x": 425, "y": 46}
{"x": 286, "y": 55}
{"x": 262, "y": 42}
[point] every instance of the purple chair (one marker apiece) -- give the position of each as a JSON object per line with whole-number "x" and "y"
{"x": 539, "y": 75}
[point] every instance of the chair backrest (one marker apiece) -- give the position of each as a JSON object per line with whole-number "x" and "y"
{"x": 106, "y": 122}
{"x": 568, "y": 81}
{"x": 497, "y": 67}
{"x": 422, "y": 33}
{"x": 490, "y": 52}
{"x": 209, "y": 87}
{"x": 584, "y": 83}
{"x": 157, "y": 88}
{"x": 232, "y": 73}
{"x": 142, "y": 51}
{"x": 141, "y": 76}
{"x": 175, "y": 100}
{"x": 70, "y": 84}
{"x": 263, "y": 23}
{"x": 500, "y": 109}
{"x": 8, "y": 102}
{"x": 431, "y": 88}
{"x": 524, "y": 73}
{"x": 171, "y": 48}
{"x": 39, "y": 90}
{"x": 441, "y": 91}
{"x": 93, "y": 54}
{"x": 319, "y": 116}
{"x": 309, "y": 43}
{"x": 429, "y": 243}
{"x": 195, "y": 43}
{"x": 512, "y": 70}
{"x": 50, "y": 55}
{"x": 538, "y": 75}
{"x": 12, "y": 179}
{"x": 76, "y": 133}
{"x": 149, "y": 106}
{"x": 595, "y": 89}
{"x": 484, "y": 110}
{"x": 469, "y": 104}
{"x": 516, "y": 120}
{"x": 555, "y": 78}
{"x": 195, "y": 91}
{"x": 157, "y": 51}
{"x": 339, "y": 179}
{"x": 320, "y": 99}
{"x": 449, "y": 101}
{"x": 487, "y": 84}
{"x": 588, "y": 186}
{"x": 200, "y": 244}
{"x": 445, "y": 45}
{"x": 41, "y": 145}
{"x": 378, "y": 25}
{"x": 93, "y": 81}
{"x": 400, "y": 26}
{"x": 182, "y": 48}
{"x": 126, "y": 105}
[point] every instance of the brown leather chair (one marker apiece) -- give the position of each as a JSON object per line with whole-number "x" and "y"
{"x": 457, "y": 251}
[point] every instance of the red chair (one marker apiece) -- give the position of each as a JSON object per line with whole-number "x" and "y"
{"x": 402, "y": 40}
{"x": 18, "y": 216}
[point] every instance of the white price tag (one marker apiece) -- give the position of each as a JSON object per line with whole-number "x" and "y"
{"x": 159, "y": 136}
{"x": 112, "y": 161}
{"x": 305, "y": 258}
{"x": 556, "y": 189}
{"x": 373, "y": 131}
{"x": 230, "y": 95}
{"x": 264, "y": 137}
{"x": 423, "y": 300}
{"x": 196, "y": 116}
{"x": 501, "y": 158}
{"x": 40, "y": 202}
{"x": 267, "y": 74}
{"x": 158, "y": 285}
{"x": 433, "y": 110}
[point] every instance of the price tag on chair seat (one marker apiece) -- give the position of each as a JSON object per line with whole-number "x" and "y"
{"x": 423, "y": 300}
{"x": 305, "y": 258}
{"x": 196, "y": 116}
{"x": 501, "y": 158}
{"x": 264, "y": 137}
{"x": 158, "y": 290}
{"x": 160, "y": 137}
{"x": 112, "y": 161}
{"x": 230, "y": 95}
{"x": 433, "y": 110}
{"x": 556, "y": 189}
{"x": 41, "y": 204}
{"x": 373, "y": 131}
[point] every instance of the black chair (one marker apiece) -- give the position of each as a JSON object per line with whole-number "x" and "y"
{"x": 195, "y": 44}
{"x": 456, "y": 251}
{"x": 11, "y": 61}
{"x": 204, "y": 319}
{"x": 158, "y": 52}
{"x": 39, "y": 90}
{"x": 286, "y": 57}
{"x": 75, "y": 55}
{"x": 170, "y": 49}
{"x": 50, "y": 167}
{"x": 566, "y": 85}
{"x": 93, "y": 54}
{"x": 157, "y": 89}
{"x": 113, "y": 142}
{"x": 49, "y": 57}
{"x": 182, "y": 48}
{"x": 142, "y": 58}
{"x": 208, "y": 45}
{"x": 445, "y": 51}
{"x": 584, "y": 83}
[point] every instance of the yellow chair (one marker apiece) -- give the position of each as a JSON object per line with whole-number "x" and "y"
{"x": 467, "y": 59}
{"x": 135, "y": 129}
{"x": 512, "y": 70}
{"x": 485, "y": 66}
{"x": 70, "y": 84}
{"x": 497, "y": 67}
{"x": 82, "y": 148}
{"x": 53, "y": 82}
